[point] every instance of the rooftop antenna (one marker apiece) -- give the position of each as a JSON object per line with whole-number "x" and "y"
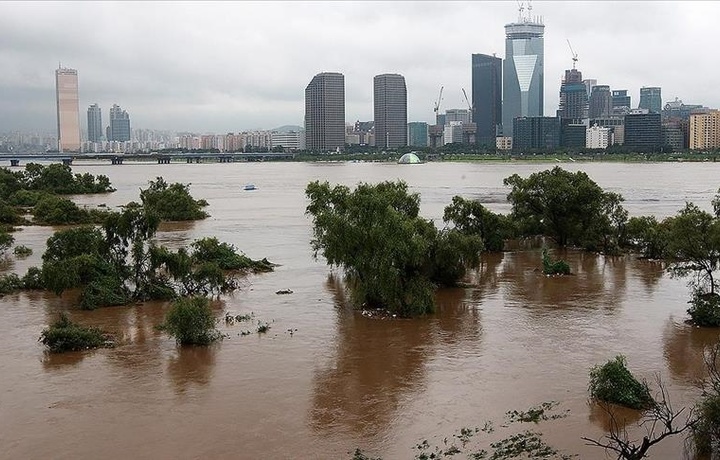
{"x": 521, "y": 8}
{"x": 574, "y": 54}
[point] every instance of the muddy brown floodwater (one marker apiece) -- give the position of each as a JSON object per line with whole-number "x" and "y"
{"x": 512, "y": 339}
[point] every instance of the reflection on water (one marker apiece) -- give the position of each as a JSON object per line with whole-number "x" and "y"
{"x": 684, "y": 348}
{"x": 649, "y": 272}
{"x": 596, "y": 281}
{"x": 192, "y": 366}
{"x": 609, "y": 416}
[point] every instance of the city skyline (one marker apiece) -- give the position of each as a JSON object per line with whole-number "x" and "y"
{"x": 183, "y": 78}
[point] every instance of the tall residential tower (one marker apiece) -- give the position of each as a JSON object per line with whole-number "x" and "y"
{"x": 390, "y": 108}
{"x": 486, "y": 98}
{"x": 68, "y": 110}
{"x": 119, "y": 124}
{"x": 523, "y": 70}
{"x": 325, "y": 112}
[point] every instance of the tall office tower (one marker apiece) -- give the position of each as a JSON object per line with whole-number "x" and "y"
{"x": 651, "y": 99}
{"x": 94, "y": 120}
{"x": 621, "y": 102}
{"x": 119, "y": 124}
{"x": 486, "y": 98}
{"x": 643, "y": 132}
{"x": 573, "y": 97}
{"x": 589, "y": 84}
{"x": 523, "y": 71}
{"x": 68, "y": 110}
{"x": 390, "y": 105}
{"x": 600, "y": 101}
{"x": 325, "y": 112}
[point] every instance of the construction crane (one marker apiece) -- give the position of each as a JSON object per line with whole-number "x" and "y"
{"x": 470, "y": 107}
{"x": 574, "y": 54}
{"x": 437, "y": 104}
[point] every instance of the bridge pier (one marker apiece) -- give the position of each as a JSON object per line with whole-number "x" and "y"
{"x": 14, "y": 162}
{"x": 116, "y": 160}
{"x": 67, "y": 161}
{"x": 163, "y": 160}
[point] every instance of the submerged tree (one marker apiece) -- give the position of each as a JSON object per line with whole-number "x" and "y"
{"x": 172, "y": 201}
{"x": 568, "y": 207}
{"x": 392, "y": 258}
{"x": 471, "y": 218}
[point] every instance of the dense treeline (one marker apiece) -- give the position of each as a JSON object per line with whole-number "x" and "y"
{"x": 393, "y": 258}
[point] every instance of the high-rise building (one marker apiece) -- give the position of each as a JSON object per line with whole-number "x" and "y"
{"x": 390, "y": 107}
{"x": 541, "y": 133}
{"x": 119, "y": 125}
{"x": 325, "y": 112}
{"x": 523, "y": 71}
{"x": 651, "y": 99}
{"x": 573, "y": 97}
{"x": 705, "y": 130}
{"x": 460, "y": 115}
{"x": 94, "y": 123}
{"x": 621, "y": 102}
{"x": 572, "y": 135}
{"x": 486, "y": 98}
{"x": 600, "y": 101}
{"x": 643, "y": 132}
{"x": 598, "y": 137}
{"x": 68, "y": 110}
{"x": 589, "y": 84}
{"x": 417, "y": 134}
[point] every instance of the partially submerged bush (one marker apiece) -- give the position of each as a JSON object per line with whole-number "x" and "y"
{"x": 191, "y": 322}
{"x": 614, "y": 383}
{"x": 33, "y": 279}
{"x": 65, "y": 335}
{"x": 554, "y": 267}
{"x": 22, "y": 251}
{"x": 226, "y": 256}
{"x": 172, "y": 201}
{"x": 10, "y": 283}
{"x": 705, "y": 310}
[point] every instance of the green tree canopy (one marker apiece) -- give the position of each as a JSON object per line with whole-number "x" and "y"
{"x": 472, "y": 218}
{"x": 172, "y": 201}
{"x": 392, "y": 258}
{"x": 568, "y": 207}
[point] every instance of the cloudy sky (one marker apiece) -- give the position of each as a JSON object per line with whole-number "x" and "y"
{"x": 231, "y": 66}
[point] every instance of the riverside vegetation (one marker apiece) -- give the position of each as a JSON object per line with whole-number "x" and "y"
{"x": 115, "y": 261}
{"x": 392, "y": 258}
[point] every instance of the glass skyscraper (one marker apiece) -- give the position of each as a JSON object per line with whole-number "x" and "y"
{"x": 523, "y": 71}
{"x": 651, "y": 99}
{"x": 94, "y": 121}
{"x": 486, "y": 98}
{"x": 119, "y": 124}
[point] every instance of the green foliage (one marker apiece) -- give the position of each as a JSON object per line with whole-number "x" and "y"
{"x": 392, "y": 257}
{"x": 191, "y": 322}
{"x": 27, "y": 198}
{"x": 706, "y": 433}
{"x": 568, "y": 207}
{"x": 472, "y": 218}
{"x": 58, "y": 178}
{"x": 9, "y": 215}
{"x": 554, "y": 267}
{"x": 10, "y": 283}
{"x": 6, "y": 240}
{"x": 614, "y": 383}
{"x": 225, "y": 256}
{"x": 33, "y": 279}
{"x": 172, "y": 202}
{"x": 22, "y": 251}
{"x": 693, "y": 246}
{"x": 105, "y": 291}
{"x": 647, "y": 236}
{"x": 55, "y": 210}
{"x": 705, "y": 310}
{"x": 65, "y": 335}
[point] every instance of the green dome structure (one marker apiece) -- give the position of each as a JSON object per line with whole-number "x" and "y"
{"x": 409, "y": 159}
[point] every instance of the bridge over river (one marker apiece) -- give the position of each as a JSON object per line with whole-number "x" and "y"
{"x": 16, "y": 159}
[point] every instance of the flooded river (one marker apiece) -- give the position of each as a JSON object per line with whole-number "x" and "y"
{"x": 513, "y": 339}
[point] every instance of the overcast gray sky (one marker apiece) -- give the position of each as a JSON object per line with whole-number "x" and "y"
{"x": 232, "y": 66}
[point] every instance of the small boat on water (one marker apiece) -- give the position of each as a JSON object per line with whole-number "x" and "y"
{"x": 250, "y": 187}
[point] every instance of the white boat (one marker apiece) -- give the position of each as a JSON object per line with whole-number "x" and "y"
{"x": 250, "y": 187}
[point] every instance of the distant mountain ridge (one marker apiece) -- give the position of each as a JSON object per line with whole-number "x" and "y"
{"x": 287, "y": 128}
